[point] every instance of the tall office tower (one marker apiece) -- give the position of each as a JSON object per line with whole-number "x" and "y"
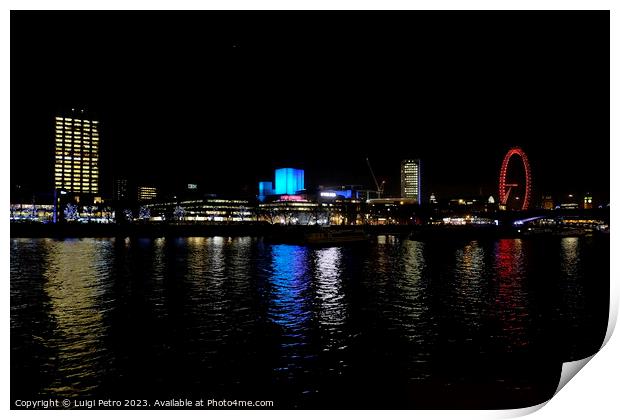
{"x": 410, "y": 179}
{"x": 76, "y": 161}
{"x": 289, "y": 180}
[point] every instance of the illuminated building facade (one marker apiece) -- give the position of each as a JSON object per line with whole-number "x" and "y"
{"x": 466, "y": 205}
{"x": 76, "y": 161}
{"x": 468, "y": 220}
{"x": 410, "y": 187}
{"x": 569, "y": 202}
{"x": 547, "y": 202}
{"x": 44, "y": 213}
{"x": 388, "y": 211}
{"x": 204, "y": 210}
{"x": 147, "y": 193}
{"x": 342, "y": 203}
{"x": 587, "y": 201}
{"x": 289, "y": 181}
{"x": 292, "y": 210}
{"x": 32, "y": 212}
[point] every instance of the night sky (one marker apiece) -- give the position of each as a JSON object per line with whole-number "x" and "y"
{"x": 222, "y": 98}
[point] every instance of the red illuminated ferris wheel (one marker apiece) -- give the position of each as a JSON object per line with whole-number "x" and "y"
{"x": 506, "y": 184}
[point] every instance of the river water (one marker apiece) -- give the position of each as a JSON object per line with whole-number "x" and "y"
{"x": 390, "y": 324}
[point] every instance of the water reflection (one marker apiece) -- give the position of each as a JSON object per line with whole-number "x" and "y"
{"x": 289, "y": 285}
{"x": 289, "y": 308}
{"x": 572, "y": 310}
{"x": 330, "y": 297}
{"x": 413, "y": 304}
{"x": 412, "y": 310}
{"x": 219, "y": 314}
{"x": 471, "y": 281}
{"x": 397, "y": 323}
{"x": 77, "y": 285}
{"x": 570, "y": 263}
{"x": 511, "y": 300}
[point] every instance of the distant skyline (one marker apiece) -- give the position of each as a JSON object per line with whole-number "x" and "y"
{"x": 223, "y": 98}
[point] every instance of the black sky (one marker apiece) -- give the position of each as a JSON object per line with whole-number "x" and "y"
{"x": 221, "y": 98}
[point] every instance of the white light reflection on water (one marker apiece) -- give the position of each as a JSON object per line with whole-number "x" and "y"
{"x": 331, "y": 308}
{"x": 572, "y": 292}
{"x": 471, "y": 281}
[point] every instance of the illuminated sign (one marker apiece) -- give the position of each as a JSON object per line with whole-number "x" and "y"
{"x": 192, "y": 186}
{"x": 292, "y": 198}
{"x": 339, "y": 193}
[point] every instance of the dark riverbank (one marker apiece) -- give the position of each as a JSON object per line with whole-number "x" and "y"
{"x": 24, "y": 230}
{"x": 27, "y": 230}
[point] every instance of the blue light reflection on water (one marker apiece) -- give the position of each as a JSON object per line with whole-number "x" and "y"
{"x": 309, "y": 327}
{"x": 290, "y": 282}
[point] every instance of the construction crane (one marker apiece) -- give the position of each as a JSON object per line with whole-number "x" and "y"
{"x": 379, "y": 187}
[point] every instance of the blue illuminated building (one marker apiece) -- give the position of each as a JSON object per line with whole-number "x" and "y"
{"x": 289, "y": 180}
{"x": 265, "y": 188}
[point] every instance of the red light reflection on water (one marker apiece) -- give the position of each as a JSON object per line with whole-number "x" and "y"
{"x": 510, "y": 306}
